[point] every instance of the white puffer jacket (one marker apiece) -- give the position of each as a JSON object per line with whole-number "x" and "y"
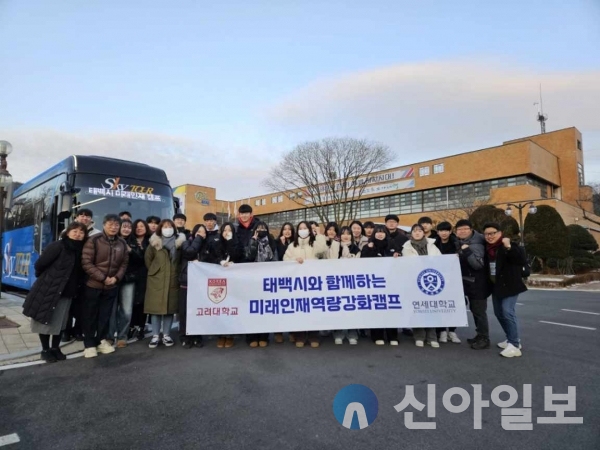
{"x": 409, "y": 250}
{"x": 306, "y": 251}
{"x": 333, "y": 251}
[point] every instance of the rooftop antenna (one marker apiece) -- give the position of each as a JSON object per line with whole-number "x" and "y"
{"x": 541, "y": 117}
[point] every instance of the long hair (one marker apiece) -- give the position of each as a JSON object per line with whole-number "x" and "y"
{"x": 222, "y": 230}
{"x": 135, "y": 225}
{"x": 379, "y": 229}
{"x": 311, "y": 236}
{"x": 293, "y": 236}
{"x": 74, "y": 226}
{"x": 359, "y": 223}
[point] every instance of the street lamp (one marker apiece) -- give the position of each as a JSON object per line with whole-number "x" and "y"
{"x": 520, "y": 207}
{"x": 5, "y": 190}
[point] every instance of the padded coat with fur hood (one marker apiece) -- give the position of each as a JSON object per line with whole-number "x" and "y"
{"x": 162, "y": 289}
{"x": 432, "y": 250}
{"x": 306, "y": 251}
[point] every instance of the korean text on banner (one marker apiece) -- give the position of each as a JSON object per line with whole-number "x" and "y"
{"x": 424, "y": 291}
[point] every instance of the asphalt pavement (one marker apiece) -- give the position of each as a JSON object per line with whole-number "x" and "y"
{"x": 281, "y": 397}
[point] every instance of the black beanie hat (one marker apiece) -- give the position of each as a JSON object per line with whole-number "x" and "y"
{"x": 392, "y": 217}
{"x": 210, "y": 216}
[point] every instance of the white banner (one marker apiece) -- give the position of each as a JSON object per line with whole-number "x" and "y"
{"x": 424, "y": 291}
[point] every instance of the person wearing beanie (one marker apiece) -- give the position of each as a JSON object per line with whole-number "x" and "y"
{"x": 471, "y": 254}
{"x": 245, "y": 225}
{"x": 427, "y": 225}
{"x": 179, "y": 220}
{"x": 446, "y": 242}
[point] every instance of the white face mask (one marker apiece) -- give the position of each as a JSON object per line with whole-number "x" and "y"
{"x": 228, "y": 235}
{"x": 303, "y": 233}
{"x": 168, "y": 232}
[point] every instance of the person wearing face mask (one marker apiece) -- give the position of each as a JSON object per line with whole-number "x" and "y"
{"x": 262, "y": 248}
{"x": 419, "y": 245}
{"x": 59, "y": 278}
{"x": 225, "y": 251}
{"x": 191, "y": 250}
{"x": 381, "y": 246}
{"x": 358, "y": 234}
{"x": 163, "y": 260}
{"x": 504, "y": 261}
{"x": 307, "y": 245}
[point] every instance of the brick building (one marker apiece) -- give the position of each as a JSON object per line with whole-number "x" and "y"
{"x": 547, "y": 169}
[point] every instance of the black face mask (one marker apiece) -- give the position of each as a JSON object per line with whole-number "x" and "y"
{"x": 262, "y": 234}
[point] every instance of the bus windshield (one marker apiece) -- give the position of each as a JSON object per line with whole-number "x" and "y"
{"x": 112, "y": 195}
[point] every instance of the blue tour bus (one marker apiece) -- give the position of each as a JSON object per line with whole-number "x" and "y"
{"x": 44, "y": 206}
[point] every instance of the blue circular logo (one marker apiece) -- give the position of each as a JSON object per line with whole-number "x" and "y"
{"x": 355, "y": 407}
{"x": 431, "y": 282}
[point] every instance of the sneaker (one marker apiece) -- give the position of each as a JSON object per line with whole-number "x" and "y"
{"x": 453, "y": 337}
{"x": 443, "y": 337}
{"x": 504, "y": 344}
{"x": 90, "y": 352}
{"x": 48, "y": 356}
{"x": 221, "y": 342}
{"x": 104, "y": 347}
{"x": 197, "y": 343}
{"x": 121, "y": 343}
{"x": 229, "y": 342}
{"x": 339, "y": 341}
{"x": 315, "y": 344}
{"x": 380, "y": 342}
{"x": 60, "y": 356}
{"x": 253, "y": 344}
{"x": 481, "y": 344}
{"x": 154, "y": 341}
{"x": 131, "y": 333}
{"x": 141, "y": 334}
{"x": 278, "y": 337}
{"x": 167, "y": 341}
{"x": 186, "y": 343}
{"x": 353, "y": 341}
{"x": 393, "y": 342}
{"x": 511, "y": 351}
{"x": 299, "y": 344}
{"x": 419, "y": 343}
{"x": 263, "y": 344}
{"x": 434, "y": 344}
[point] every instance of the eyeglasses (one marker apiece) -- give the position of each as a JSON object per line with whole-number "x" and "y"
{"x": 492, "y": 234}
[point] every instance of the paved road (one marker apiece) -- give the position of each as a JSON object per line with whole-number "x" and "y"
{"x": 281, "y": 397}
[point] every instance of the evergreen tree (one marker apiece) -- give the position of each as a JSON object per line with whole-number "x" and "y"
{"x": 490, "y": 213}
{"x": 546, "y": 235}
{"x": 582, "y": 245}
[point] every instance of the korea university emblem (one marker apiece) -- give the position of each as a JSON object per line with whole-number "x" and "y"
{"x": 217, "y": 289}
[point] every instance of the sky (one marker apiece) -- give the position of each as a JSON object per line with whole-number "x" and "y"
{"x": 216, "y": 92}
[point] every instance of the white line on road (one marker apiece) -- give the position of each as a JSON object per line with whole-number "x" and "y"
{"x": 520, "y": 304}
{"x": 567, "y": 325}
{"x": 582, "y": 312}
{"x": 9, "y": 439}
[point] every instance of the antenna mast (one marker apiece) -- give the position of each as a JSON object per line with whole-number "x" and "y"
{"x": 541, "y": 117}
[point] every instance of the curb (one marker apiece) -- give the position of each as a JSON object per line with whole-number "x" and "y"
{"x": 30, "y": 352}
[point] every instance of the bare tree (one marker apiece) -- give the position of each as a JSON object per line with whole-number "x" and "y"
{"x": 592, "y": 196}
{"x": 462, "y": 208}
{"x": 332, "y": 174}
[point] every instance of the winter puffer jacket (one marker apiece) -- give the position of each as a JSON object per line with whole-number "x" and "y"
{"x": 190, "y": 251}
{"x": 306, "y": 251}
{"x": 472, "y": 266}
{"x": 432, "y": 250}
{"x": 333, "y": 250}
{"x": 102, "y": 258}
{"x": 58, "y": 270}
{"x": 509, "y": 271}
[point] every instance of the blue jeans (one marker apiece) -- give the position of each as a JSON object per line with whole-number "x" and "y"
{"x": 121, "y": 313}
{"x": 166, "y": 321}
{"x": 504, "y": 309}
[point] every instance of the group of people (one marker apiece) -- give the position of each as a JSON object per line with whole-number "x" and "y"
{"x": 104, "y": 286}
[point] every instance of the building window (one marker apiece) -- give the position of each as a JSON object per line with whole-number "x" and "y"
{"x": 299, "y": 194}
{"x": 292, "y": 196}
{"x": 257, "y": 202}
{"x": 580, "y": 174}
{"x": 263, "y": 201}
{"x": 578, "y": 144}
{"x": 438, "y": 168}
{"x": 424, "y": 171}
{"x": 277, "y": 199}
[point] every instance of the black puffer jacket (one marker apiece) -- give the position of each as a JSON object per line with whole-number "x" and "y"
{"x": 190, "y": 251}
{"x": 472, "y": 266}
{"x": 59, "y": 274}
{"x": 509, "y": 271}
{"x": 379, "y": 249}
